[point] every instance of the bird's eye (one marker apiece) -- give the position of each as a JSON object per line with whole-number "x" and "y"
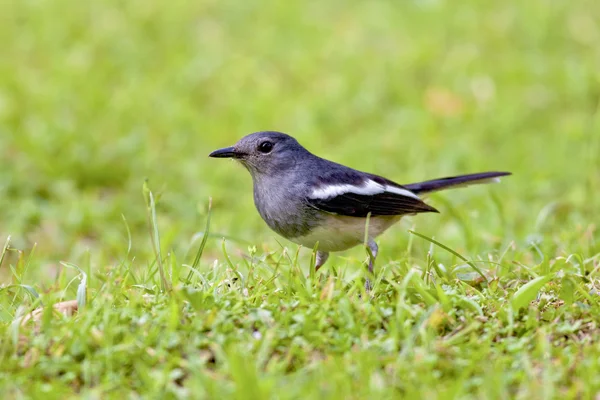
{"x": 265, "y": 147}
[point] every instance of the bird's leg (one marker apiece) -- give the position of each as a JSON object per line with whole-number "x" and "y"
{"x": 322, "y": 257}
{"x": 374, "y": 249}
{"x": 373, "y": 254}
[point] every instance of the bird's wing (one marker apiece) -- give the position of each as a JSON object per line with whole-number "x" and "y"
{"x": 352, "y": 194}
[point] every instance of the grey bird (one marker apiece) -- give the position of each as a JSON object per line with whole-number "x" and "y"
{"x": 309, "y": 200}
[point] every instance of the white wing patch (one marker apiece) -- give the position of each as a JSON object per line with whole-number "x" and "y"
{"x": 368, "y": 188}
{"x": 400, "y": 191}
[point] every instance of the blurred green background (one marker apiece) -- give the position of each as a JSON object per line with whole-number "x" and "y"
{"x": 95, "y": 97}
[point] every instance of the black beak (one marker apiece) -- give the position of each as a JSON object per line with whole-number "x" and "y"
{"x": 227, "y": 152}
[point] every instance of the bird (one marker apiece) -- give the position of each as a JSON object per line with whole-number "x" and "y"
{"x": 321, "y": 204}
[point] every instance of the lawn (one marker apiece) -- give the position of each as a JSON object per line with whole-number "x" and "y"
{"x": 111, "y": 286}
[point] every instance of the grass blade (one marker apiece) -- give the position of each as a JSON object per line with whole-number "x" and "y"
{"x": 448, "y": 249}
{"x": 205, "y": 236}
{"x": 4, "y": 249}
{"x": 528, "y": 292}
{"x": 154, "y": 235}
{"x": 82, "y": 287}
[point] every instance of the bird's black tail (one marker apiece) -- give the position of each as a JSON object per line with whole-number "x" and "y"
{"x": 455, "y": 181}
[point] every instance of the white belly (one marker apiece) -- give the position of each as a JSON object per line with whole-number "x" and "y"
{"x": 339, "y": 233}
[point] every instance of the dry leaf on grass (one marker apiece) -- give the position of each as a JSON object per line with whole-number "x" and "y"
{"x": 67, "y": 308}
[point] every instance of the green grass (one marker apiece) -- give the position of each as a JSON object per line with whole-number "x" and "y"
{"x": 98, "y": 97}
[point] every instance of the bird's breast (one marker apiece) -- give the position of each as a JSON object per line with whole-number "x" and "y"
{"x": 337, "y": 233}
{"x": 284, "y": 210}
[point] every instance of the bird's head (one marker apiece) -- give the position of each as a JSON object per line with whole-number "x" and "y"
{"x": 264, "y": 152}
